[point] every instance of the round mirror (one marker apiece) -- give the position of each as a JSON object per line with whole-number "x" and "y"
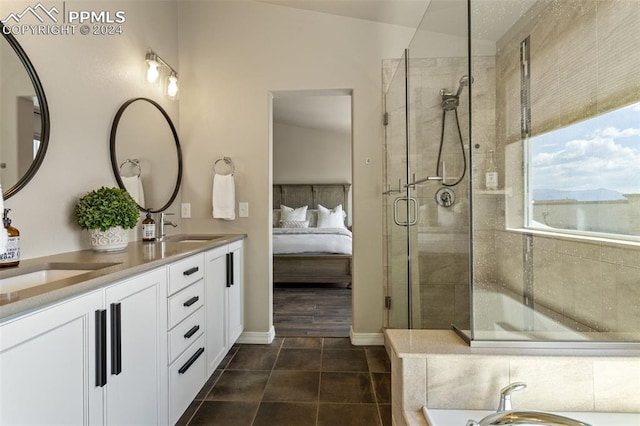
{"x": 145, "y": 154}
{"x": 24, "y": 117}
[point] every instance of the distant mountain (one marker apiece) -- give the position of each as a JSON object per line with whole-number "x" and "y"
{"x": 545, "y": 194}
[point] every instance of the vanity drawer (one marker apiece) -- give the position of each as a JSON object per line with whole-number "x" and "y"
{"x": 185, "y": 302}
{"x": 185, "y": 272}
{"x": 186, "y": 377}
{"x": 185, "y": 333}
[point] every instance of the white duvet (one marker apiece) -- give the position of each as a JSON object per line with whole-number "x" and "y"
{"x": 311, "y": 240}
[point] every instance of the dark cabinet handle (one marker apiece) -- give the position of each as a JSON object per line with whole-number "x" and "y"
{"x": 191, "y": 360}
{"x": 191, "y": 301}
{"x": 231, "y": 268}
{"x": 191, "y": 332}
{"x": 190, "y": 271}
{"x": 116, "y": 339}
{"x": 101, "y": 347}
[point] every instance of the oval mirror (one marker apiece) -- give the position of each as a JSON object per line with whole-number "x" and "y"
{"x": 24, "y": 117}
{"x": 145, "y": 154}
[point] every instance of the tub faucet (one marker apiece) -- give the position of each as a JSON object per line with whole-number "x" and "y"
{"x": 505, "y": 395}
{"x": 163, "y": 221}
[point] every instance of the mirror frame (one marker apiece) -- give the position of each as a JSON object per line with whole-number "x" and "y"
{"x": 44, "y": 115}
{"x": 114, "y": 161}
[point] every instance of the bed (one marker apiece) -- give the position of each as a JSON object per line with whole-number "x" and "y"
{"x": 301, "y": 259}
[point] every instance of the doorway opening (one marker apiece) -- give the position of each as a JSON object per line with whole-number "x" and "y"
{"x": 311, "y": 132}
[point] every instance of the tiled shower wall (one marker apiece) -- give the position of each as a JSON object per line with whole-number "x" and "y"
{"x": 584, "y": 62}
{"x": 443, "y": 232}
{"x": 441, "y": 237}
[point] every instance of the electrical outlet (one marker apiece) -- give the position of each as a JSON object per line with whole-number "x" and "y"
{"x": 185, "y": 210}
{"x": 243, "y": 209}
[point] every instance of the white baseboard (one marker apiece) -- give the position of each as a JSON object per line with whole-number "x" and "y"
{"x": 257, "y": 338}
{"x": 366, "y": 339}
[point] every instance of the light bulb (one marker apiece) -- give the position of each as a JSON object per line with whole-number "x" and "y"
{"x": 152, "y": 73}
{"x": 172, "y": 87}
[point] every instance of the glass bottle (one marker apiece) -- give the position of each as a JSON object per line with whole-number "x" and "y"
{"x": 12, "y": 255}
{"x": 491, "y": 174}
{"x": 148, "y": 228}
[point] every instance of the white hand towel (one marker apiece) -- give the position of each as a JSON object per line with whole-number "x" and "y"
{"x": 133, "y": 185}
{"x": 224, "y": 197}
{"x": 4, "y": 237}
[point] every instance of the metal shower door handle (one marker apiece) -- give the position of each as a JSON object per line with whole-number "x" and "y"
{"x": 409, "y": 200}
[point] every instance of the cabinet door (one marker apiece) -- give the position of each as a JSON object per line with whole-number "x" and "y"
{"x": 136, "y": 391}
{"x": 215, "y": 293}
{"x": 235, "y": 297}
{"x": 48, "y": 365}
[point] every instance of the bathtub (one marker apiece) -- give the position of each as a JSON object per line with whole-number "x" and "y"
{"x": 460, "y": 417}
{"x": 499, "y": 315}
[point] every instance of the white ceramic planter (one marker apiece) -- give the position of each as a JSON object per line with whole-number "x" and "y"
{"x": 113, "y": 239}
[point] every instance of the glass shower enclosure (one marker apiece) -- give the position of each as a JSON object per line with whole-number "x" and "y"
{"x": 512, "y": 176}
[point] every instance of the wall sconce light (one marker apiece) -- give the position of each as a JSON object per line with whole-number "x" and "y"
{"x": 154, "y": 66}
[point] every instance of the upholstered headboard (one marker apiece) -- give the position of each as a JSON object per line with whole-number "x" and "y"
{"x": 298, "y": 195}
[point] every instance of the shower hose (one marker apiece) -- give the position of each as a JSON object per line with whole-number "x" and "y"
{"x": 464, "y": 157}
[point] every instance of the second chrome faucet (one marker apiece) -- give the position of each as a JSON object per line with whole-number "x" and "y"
{"x": 162, "y": 222}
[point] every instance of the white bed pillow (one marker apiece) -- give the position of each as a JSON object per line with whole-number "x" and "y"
{"x": 288, "y": 213}
{"x": 312, "y": 217}
{"x": 331, "y": 218}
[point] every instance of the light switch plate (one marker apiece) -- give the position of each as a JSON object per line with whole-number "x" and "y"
{"x": 243, "y": 209}
{"x": 185, "y": 210}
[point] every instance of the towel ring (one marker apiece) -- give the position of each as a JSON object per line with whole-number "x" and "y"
{"x": 135, "y": 163}
{"x": 227, "y": 161}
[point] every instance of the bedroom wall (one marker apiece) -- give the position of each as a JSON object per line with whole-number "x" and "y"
{"x": 306, "y": 155}
{"x": 232, "y": 56}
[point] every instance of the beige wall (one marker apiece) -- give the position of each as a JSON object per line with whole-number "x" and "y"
{"x": 232, "y": 55}
{"x": 86, "y": 78}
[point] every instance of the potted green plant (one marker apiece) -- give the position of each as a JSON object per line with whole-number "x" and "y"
{"x": 107, "y": 213}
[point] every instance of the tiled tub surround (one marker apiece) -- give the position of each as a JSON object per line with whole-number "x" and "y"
{"x": 436, "y": 369}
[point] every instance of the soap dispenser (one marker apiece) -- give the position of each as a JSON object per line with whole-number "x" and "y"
{"x": 12, "y": 256}
{"x": 148, "y": 228}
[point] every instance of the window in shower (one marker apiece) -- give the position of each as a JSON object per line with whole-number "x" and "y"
{"x": 585, "y": 178}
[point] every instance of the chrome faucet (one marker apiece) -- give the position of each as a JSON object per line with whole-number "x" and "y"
{"x": 505, "y": 416}
{"x": 505, "y": 395}
{"x": 162, "y": 222}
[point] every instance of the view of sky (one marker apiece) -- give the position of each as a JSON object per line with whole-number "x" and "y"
{"x": 600, "y": 153}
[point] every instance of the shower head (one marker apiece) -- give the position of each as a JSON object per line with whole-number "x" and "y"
{"x": 465, "y": 80}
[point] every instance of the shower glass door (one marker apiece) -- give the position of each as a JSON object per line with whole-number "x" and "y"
{"x": 427, "y": 151}
{"x": 395, "y": 196}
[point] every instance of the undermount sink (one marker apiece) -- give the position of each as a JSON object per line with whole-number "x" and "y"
{"x": 24, "y": 278}
{"x": 186, "y": 238}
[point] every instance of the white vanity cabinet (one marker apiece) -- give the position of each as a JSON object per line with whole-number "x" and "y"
{"x": 224, "y": 305}
{"x": 185, "y": 329}
{"x": 135, "y": 351}
{"x": 136, "y": 344}
{"x": 48, "y": 365}
{"x": 94, "y": 359}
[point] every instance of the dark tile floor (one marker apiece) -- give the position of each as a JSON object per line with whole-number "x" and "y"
{"x": 297, "y": 381}
{"x": 319, "y": 310}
